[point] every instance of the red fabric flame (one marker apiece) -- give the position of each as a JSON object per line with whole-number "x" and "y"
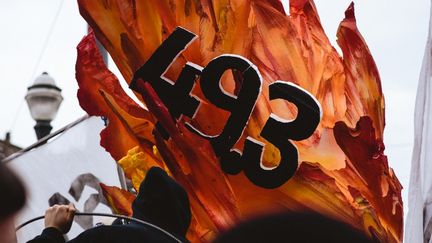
{"x": 343, "y": 172}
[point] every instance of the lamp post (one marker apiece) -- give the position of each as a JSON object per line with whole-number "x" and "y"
{"x": 43, "y": 99}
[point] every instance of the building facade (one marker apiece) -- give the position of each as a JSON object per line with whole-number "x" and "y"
{"x": 7, "y": 148}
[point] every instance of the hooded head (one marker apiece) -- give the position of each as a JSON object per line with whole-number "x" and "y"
{"x": 163, "y": 202}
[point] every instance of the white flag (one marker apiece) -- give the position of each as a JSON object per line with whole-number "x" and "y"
{"x": 419, "y": 220}
{"x": 67, "y": 169}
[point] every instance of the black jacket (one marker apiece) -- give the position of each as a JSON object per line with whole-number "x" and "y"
{"x": 160, "y": 201}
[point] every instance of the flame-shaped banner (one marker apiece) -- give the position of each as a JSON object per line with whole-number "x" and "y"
{"x": 342, "y": 170}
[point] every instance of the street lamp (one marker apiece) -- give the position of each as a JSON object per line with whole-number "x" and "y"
{"x": 43, "y": 99}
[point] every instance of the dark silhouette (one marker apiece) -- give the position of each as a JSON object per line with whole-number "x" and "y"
{"x": 13, "y": 194}
{"x": 12, "y": 199}
{"x": 294, "y": 228}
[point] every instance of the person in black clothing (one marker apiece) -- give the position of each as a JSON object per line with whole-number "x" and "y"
{"x": 160, "y": 201}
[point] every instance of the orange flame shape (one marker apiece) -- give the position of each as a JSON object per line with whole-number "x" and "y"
{"x": 343, "y": 172}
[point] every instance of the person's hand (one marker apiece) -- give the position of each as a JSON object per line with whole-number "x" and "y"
{"x": 60, "y": 217}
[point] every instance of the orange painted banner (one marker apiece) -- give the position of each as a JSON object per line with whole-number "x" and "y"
{"x": 341, "y": 169}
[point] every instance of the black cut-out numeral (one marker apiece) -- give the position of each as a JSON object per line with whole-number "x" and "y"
{"x": 175, "y": 95}
{"x": 278, "y": 132}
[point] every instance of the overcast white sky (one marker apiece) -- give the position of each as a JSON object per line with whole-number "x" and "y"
{"x": 395, "y": 31}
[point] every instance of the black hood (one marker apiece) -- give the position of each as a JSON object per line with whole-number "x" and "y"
{"x": 163, "y": 202}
